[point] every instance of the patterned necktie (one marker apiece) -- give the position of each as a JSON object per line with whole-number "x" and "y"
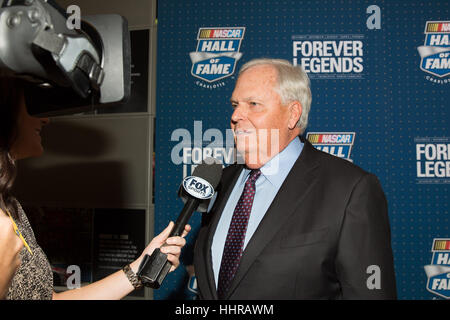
{"x": 234, "y": 244}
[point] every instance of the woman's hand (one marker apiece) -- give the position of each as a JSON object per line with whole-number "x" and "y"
{"x": 10, "y": 246}
{"x": 170, "y": 246}
{"x": 117, "y": 285}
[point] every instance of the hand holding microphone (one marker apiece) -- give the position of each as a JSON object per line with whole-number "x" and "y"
{"x": 196, "y": 190}
{"x": 171, "y": 246}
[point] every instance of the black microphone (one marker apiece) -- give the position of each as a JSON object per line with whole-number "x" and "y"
{"x": 196, "y": 191}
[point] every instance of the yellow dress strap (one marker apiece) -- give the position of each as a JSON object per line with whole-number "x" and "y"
{"x": 19, "y": 234}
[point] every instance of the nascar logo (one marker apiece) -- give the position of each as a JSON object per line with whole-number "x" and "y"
{"x": 435, "y": 53}
{"x": 217, "y": 53}
{"x": 338, "y": 144}
{"x": 438, "y": 272}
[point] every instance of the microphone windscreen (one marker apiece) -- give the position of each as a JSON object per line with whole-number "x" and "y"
{"x": 211, "y": 171}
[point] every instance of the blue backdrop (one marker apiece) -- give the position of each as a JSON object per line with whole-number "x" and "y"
{"x": 380, "y": 79}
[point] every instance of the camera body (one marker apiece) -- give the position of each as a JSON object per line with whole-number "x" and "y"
{"x": 67, "y": 70}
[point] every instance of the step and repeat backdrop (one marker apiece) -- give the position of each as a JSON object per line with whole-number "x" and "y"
{"x": 380, "y": 81}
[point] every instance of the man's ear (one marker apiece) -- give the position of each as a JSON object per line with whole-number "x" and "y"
{"x": 295, "y": 111}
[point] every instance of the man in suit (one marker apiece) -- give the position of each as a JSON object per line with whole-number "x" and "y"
{"x": 292, "y": 222}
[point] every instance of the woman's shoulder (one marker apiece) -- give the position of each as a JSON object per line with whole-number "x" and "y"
{"x": 24, "y": 224}
{"x": 34, "y": 278}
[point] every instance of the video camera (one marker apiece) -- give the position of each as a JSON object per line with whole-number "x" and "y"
{"x": 67, "y": 70}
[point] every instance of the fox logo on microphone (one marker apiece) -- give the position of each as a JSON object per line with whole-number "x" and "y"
{"x": 198, "y": 187}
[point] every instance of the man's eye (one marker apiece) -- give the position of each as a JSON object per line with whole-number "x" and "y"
{"x": 252, "y": 103}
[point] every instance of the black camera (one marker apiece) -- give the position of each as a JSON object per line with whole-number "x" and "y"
{"x": 66, "y": 69}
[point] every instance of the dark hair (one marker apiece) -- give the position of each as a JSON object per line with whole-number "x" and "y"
{"x": 11, "y": 91}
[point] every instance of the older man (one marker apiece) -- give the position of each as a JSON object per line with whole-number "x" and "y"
{"x": 293, "y": 222}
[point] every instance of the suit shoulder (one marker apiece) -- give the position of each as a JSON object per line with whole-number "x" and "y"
{"x": 339, "y": 166}
{"x": 231, "y": 169}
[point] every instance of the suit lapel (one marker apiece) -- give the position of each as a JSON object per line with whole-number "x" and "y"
{"x": 227, "y": 186}
{"x": 297, "y": 185}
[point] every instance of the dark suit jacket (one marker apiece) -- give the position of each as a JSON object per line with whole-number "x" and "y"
{"x": 326, "y": 226}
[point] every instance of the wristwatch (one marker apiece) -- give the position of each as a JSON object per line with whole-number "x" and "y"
{"x": 132, "y": 277}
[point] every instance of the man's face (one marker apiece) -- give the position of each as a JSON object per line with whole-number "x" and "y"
{"x": 259, "y": 121}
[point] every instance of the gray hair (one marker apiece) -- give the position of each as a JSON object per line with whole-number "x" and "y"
{"x": 293, "y": 84}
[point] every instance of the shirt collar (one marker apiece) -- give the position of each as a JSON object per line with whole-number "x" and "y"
{"x": 276, "y": 170}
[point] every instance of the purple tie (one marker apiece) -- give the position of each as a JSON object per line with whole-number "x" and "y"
{"x": 234, "y": 244}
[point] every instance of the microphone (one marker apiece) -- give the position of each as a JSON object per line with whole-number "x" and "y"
{"x": 196, "y": 191}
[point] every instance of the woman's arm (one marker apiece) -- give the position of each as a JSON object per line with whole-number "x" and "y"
{"x": 117, "y": 285}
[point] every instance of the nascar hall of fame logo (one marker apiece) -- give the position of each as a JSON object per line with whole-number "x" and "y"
{"x": 217, "y": 55}
{"x": 438, "y": 272}
{"x": 338, "y": 144}
{"x": 435, "y": 53}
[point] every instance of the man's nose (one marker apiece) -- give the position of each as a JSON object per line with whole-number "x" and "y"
{"x": 238, "y": 114}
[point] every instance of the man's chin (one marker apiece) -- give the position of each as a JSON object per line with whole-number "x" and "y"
{"x": 251, "y": 160}
{"x": 253, "y": 166}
